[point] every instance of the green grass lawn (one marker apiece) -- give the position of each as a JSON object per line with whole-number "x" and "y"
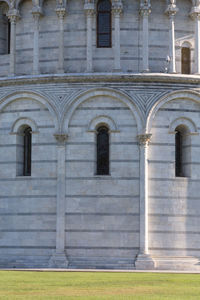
{"x": 88, "y": 285}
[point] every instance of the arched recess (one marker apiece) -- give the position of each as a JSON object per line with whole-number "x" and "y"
{"x": 70, "y": 109}
{"x": 188, "y": 123}
{"x": 101, "y": 121}
{"x": 183, "y": 94}
{"x": 24, "y": 121}
{"x": 6, "y": 1}
{"x": 32, "y": 96}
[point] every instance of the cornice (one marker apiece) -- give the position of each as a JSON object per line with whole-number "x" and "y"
{"x": 100, "y": 77}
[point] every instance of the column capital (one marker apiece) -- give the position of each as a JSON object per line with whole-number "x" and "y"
{"x": 60, "y": 11}
{"x": 171, "y": 9}
{"x": 61, "y": 138}
{"x": 145, "y": 8}
{"x": 117, "y": 8}
{"x": 89, "y": 8}
{"x": 144, "y": 139}
{"x": 36, "y": 15}
{"x": 195, "y": 12}
{"x": 13, "y": 15}
{"x": 117, "y": 11}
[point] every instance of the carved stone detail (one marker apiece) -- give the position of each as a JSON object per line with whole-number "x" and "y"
{"x": 144, "y": 139}
{"x": 145, "y": 8}
{"x": 60, "y": 11}
{"x": 13, "y": 15}
{"x": 61, "y": 138}
{"x": 117, "y": 8}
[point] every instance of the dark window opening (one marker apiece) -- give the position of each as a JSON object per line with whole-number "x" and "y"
{"x": 179, "y": 154}
{"x": 185, "y": 60}
{"x": 27, "y": 152}
{"x": 104, "y": 24}
{"x": 8, "y": 38}
{"x": 102, "y": 151}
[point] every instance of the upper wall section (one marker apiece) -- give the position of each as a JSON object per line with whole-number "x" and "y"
{"x": 57, "y": 37}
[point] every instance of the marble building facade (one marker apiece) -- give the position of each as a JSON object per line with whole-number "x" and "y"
{"x": 57, "y": 79}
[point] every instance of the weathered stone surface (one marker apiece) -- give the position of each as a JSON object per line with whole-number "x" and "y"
{"x": 140, "y": 215}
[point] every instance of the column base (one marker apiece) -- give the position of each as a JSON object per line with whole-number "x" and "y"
{"x": 146, "y": 71}
{"x": 89, "y": 71}
{"x": 58, "y": 260}
{"x": 144, "y": 262}
{"x": 60, "y": 71}
{"x": 116, "y": 70}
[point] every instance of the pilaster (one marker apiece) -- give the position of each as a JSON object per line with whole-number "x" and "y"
{"x": 145, "y": 10}
{"x": 59, "y": 258}
{"x": 144, "y": 260}
{"x": 13, "y": 16}
{"x": 171, "y": 12}
{"x": 89, "y": 11}
{"x": 117, "y": 9}
{"x": 195, "y": 15}
{"x": 36, "y": 12}
{"x": 61, "y": 12}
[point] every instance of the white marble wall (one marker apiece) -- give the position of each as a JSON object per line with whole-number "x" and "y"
{"x": 103, "y": 58}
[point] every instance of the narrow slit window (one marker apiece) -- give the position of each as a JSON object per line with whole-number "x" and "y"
{"x": 102, "y": 151}
{"x": 182, "y": 152}
{"x": 8, "y": 37}
{"x": 178, "y": 154}
{"x": 27, "y": 151}
{"x": 185, "y": 60}
{"x": 104, "y": 24}
{"x": 4, "y": 29}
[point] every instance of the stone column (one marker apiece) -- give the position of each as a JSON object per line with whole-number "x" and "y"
{"x": 61, "y": 11}
{"x": 144, "y": 261}
{"x": 171, "y": 12}
{"x": 195, "y": 15}
{"x": 116, "y": 11}
{"x": 89, "y": 10}
{"x": 145, "y": 10}
{"x": 13, "y": 15}
{"x": 36, "y": 12}
{"x": 59, "y": 258}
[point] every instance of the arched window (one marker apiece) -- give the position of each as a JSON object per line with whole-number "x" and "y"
{"x": 178, "y": 153}
{"x": 4, "y": 30}
{"x": 24, "y": 145}
{"x": 102, "y": 151}
{"x": 104, "y": 23}
{"x": 185, "y": 60}
{"x": 27, "y": 151}
{"x": 8, "y": 36}
{"x": 182, "y": 152}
